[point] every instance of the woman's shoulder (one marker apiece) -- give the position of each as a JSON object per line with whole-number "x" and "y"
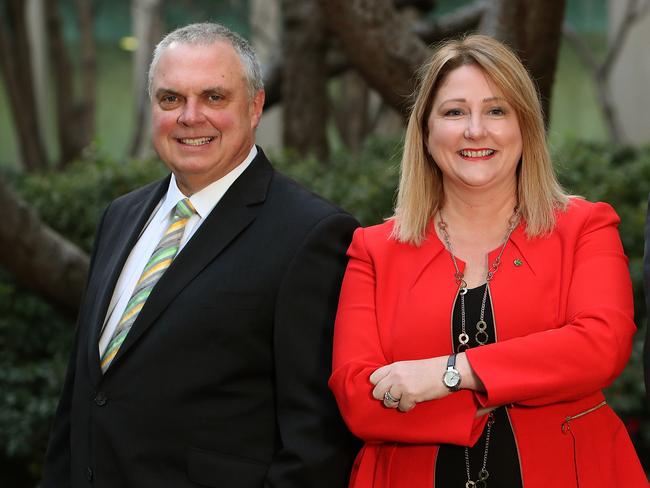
{"x": 583, "y": 213}
{"x": 379, "y": 242}
{"x": 376, "y": 235}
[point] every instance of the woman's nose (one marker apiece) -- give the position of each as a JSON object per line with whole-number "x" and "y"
{"x": 475, "y": 128}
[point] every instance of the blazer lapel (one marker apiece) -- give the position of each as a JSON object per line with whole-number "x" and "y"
{"x": 123, "y": 234}
{"x": 231, "y": 216}
{"x": 426, "y": 253}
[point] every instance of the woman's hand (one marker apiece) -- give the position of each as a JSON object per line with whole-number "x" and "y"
{"x": 404, "y": 384}
{"x": 409, "y": 382}
{"x": 484, "y": 411}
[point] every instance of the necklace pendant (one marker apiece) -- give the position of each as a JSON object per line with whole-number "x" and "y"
{"x": 481, "y": 337}
{"x": 470, "y": 484}
{"x": 463, "y": 339}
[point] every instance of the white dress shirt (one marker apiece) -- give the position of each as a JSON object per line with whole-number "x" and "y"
{"x": 204, "y": 201}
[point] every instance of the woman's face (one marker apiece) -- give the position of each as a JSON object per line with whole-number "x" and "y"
{"x": 474, "y": 134}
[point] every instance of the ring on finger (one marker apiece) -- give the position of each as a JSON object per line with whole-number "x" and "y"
{"x": 388, "y": 398}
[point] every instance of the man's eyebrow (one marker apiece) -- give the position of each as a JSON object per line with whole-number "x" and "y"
{"x": 165, "y": 91}
{"x": 207, "y": 91}
{"x": 215, "y": 89}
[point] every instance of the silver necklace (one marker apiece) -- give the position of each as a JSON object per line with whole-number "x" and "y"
{"x": 481, "y": 335}
{"x": 483, "y": 474}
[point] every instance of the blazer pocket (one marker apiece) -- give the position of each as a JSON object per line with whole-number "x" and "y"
{"x": 592, "y": 431}
{"x": 216, "y": 469}
{"x": 234, "y": 300}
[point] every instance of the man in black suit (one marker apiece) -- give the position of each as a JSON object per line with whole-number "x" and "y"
{"x": 214, "y": 375}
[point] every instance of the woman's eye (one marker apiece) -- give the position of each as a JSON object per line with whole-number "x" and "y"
{"x": 497, "y": 111}
{"x": 454, "y": 112}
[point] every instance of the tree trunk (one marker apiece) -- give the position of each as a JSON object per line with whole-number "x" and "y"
{"x": 533, "y": 29}
{"x": 67, "y": 121}
{"x": 86, "y": 106}
{"x": 380, "y": 44}
{"x": 387, "y": 51}
{"x": 35, "y": 16}
{"x": 463, "y": 19}
{"x": 74, "y": 117}
{"x": 38, "y": 257}
{"x": 15, "y": 64}
{"x": 148, "y": 27}
{"x": 351, "y": 111}
{"x": 304, "y": 78}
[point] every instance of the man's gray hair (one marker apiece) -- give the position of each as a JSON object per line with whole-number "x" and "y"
{"x": 205, "y": 34}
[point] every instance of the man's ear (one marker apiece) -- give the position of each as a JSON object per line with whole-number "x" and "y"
{"x": 257, "y": 105}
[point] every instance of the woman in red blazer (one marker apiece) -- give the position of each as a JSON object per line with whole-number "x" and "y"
{"x": 477, "y": 327}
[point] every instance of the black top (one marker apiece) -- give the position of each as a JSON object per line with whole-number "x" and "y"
{"x": 502, "y": 461}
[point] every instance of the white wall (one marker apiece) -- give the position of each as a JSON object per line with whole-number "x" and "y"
{"x": 265, "y": 37}
{"x": 630, "y": 77}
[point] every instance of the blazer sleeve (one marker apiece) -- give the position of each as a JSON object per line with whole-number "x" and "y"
{"x": 56, "y": 467}
{"x": 358, "y": 353}
{"x": 316, "y": 448}
{"x": 586, "y": 353}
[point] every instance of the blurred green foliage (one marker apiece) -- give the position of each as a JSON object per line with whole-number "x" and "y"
{"x": 621, "y": 177}
{"x": 35, "y": 338}
{"x": 363, "y": 184}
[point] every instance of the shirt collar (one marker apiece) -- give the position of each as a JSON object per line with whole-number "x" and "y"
{"x": 207, "y": 198}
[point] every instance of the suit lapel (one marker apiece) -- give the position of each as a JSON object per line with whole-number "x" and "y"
{"x": 122, "y": 235}
{"x": 232, "y": 215}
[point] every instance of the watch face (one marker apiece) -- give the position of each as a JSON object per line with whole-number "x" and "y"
{"x": 451, "y": 378}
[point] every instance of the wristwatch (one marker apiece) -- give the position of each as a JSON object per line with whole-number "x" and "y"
{"x": 451, "y": 378}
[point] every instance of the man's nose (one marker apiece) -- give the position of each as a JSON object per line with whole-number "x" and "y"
{"x": 191, "y": 114}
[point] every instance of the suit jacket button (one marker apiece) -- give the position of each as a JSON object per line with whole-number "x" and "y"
{"x": 89, "y": 473}
{"x": 100, "y": 399}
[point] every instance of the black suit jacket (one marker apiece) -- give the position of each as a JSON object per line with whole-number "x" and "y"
{"x": 221, "y": 381}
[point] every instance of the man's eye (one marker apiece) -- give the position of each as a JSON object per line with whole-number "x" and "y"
{"x": 167, "y": 100}
{"x": 215, "y": 98}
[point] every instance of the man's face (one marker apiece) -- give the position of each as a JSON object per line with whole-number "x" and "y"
{"x": 202, "y": 115}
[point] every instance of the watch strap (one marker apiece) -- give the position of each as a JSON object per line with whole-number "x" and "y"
{"x": 451, "y": 361}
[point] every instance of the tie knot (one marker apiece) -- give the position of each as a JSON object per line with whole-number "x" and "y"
{"x": 184, "y": 209}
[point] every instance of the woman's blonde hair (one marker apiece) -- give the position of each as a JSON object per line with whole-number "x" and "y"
{"x": 420, "y": 193}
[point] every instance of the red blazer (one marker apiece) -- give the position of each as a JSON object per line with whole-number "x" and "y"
{"x": 564, "y": 322}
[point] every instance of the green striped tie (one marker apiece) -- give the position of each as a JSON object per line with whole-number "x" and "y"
{"x": 160, "y": 260}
